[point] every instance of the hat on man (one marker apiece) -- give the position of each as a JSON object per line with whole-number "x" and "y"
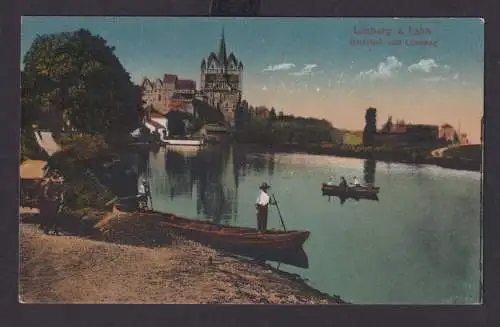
{"x": 264, "y": 186}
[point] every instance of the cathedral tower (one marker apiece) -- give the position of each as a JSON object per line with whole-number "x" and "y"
{"x": 221, "y": 80}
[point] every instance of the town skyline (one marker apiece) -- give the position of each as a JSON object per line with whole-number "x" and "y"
{"x": 289, "y": 66}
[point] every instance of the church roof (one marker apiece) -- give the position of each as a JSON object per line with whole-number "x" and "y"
{"x": 185, "y": 84}
{"x": 221, "y": 57}
{"x": 170, "y": 78}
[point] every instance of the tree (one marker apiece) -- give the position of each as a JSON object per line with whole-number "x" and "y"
{"x": 76, "y": 79}
{"x": 241, "y": 114}
{"x": 370, "y": 126}
{"x": 206, "y": 113}
{"x": 387, "y": 127}
{"x": 272, "y": 115}
{"x": 177, "y": 121}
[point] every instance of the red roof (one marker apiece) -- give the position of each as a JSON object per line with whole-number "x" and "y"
{"x": 185, "y": 84}
{"x": 170, "y": 78}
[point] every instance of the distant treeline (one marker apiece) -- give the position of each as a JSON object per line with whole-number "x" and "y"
{"x": 264, "y": 126}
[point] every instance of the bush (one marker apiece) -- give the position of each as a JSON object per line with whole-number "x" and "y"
{"x": 77, "y": 163}
{"x": 29, "y": 149}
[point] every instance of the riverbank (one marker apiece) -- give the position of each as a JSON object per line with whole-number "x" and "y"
{"x": 406, "y": 156}
{"x": 123, "y": 259}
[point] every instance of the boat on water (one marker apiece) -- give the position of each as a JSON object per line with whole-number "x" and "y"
{"x": 184, "y": 142}
{"x": 352, "y": 191}
{"x": 230, "y": 237}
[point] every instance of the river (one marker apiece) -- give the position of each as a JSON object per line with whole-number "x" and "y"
{"x": 419, "y": 244}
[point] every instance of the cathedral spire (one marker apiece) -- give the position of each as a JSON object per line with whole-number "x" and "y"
{"x": 222, "y": 49}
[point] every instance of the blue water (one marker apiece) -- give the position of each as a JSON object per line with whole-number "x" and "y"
{"x": 419, "y": 244}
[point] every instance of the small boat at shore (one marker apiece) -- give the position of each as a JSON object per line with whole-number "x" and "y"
{"x": 231, "y": 237}
{"x": 357, "y": 192}
{"x": 183, "y": 142}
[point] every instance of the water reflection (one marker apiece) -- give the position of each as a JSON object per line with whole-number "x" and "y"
{"x": 369, "y": 168}
{"x": 212, "y": 175}
{"x": 421, "y": 246}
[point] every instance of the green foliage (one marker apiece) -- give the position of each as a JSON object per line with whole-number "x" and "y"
{"x": 77, "y": 163}
{"x": 370, "y": 126}
{"x": 206, "y": 113}
{"x": 29, "y": 148}
{"x": 272, "y": 115}
{"x": 298, "y": 130}
{"x": 76, "y": 76}
{"x": 470, "y": 151}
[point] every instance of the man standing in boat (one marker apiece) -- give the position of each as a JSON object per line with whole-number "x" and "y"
{"x": 263, "y": 202}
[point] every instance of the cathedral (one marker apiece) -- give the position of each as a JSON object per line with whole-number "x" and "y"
{"x": 220, "y": 81}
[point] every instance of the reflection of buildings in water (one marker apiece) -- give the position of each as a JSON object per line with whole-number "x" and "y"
{"x": 245, "y": 160}
{"x": 208, "y": 174}
{"x": 177, "y": 168}
{"x": 369, "y": 168}
{"x": 216, "y": 185}
{"x": 212, "y": 174}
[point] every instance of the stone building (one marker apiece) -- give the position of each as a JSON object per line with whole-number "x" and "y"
{"x": 402, "y": 133}
{"x": 447, "y": 132}
{"x": 221, "y": 81}
{"x": 169, "y": 93}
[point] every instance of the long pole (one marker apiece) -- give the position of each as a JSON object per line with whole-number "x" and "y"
{"x": 279, "y": 212}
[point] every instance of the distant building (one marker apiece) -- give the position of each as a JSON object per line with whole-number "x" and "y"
{"x": 402, "y": 133}
{"x": 221, "y": 81}
{"x": 169, "y": 93}
{"x": 464, "y": 139}
{"x": 447, "y": 132}
{"x": 261, "y": 112}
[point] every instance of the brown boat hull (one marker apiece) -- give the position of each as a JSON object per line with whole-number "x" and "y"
{"x": 237, "y": 238}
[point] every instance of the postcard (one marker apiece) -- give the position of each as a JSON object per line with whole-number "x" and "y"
{"x": 251, "y": 160}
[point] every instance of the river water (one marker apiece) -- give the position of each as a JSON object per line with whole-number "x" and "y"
{"x": 419, "y": 244}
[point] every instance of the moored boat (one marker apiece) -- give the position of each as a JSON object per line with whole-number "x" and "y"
{"x": 230, "y": 237}
{"x": 183, "y": 142}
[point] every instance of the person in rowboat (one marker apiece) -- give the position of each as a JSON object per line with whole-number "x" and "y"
{"x": 343, "y": 183}
{"x": 330, "y": 181}
{"x": 356, "y": 182}
{"x": 262, "y": 206}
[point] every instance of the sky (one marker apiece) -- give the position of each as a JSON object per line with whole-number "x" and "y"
{"x": 427, "y": 71}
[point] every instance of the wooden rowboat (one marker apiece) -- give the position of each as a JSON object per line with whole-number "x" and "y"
{"x": 361, "y": 192}
{"x": 230, "y": 237}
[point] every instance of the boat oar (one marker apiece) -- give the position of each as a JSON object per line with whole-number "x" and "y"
{"x": 279, "y": 212}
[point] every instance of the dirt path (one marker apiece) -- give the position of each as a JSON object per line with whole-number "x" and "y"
{"x": 69, "y": 269}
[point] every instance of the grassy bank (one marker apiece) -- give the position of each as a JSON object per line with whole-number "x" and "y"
{"x": 123, "y": 259}
{"x": 408, "y": 155}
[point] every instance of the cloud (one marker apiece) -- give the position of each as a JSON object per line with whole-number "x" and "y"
{"x": 434, "y": 79}
{"x": 384, "y": 70}
{"x": 282, "y": 66}
{"x": 426, "y": 65}
{"x": 306, "y": 70}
